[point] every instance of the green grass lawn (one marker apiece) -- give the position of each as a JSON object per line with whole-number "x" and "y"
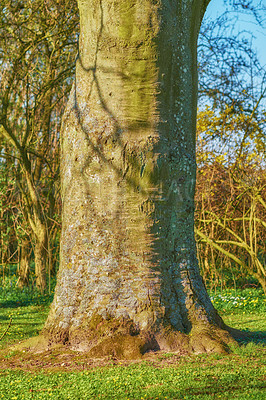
{"x": 197, "y": 377}
{"x": 239, "y": 375}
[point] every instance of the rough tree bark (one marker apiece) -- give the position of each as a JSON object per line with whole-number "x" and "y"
{"x": 129, "y": 280}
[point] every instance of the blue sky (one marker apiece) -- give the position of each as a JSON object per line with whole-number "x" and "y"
{"x": 245, "y": 22}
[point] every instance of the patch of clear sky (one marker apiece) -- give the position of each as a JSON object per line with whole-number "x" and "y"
{"x": 245, "y": 22}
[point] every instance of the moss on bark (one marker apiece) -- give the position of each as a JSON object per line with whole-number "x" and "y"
{"x": 121, "y": 340}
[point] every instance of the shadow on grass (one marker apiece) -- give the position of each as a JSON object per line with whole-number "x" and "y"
{"x": 211, "y": 390}
{"x": 38, "y": 300}
{"x": 257, "y": 337}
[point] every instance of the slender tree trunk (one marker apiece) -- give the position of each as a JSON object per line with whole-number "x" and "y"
{"x": 24, "y": 263}
{"x": 129, "y": 280}
{"x": 35, "y": 216}
{"x": 41, "y": 258}
{"x": 262, "y": 280}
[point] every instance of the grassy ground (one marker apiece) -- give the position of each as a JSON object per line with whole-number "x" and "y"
{"x": 239, "y": 375}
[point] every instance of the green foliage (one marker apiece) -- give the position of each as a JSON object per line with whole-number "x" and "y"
{"x": 13, "y": 296}
{"x": 239, "y": 301}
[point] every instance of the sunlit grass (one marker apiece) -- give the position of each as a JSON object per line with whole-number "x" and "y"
{"x": 26, "y": 321}
{"x": 240, "y": 300}
{"x": 195, "y": 377}
{"x": 240, "y": 375}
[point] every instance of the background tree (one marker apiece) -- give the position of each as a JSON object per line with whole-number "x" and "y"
{"x": 38, "y": 43}
{"x": 231, "y": 152}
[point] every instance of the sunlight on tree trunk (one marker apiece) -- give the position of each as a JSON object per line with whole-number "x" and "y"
{"x": 41, "y": 258}
{"x": 129, "y": 280}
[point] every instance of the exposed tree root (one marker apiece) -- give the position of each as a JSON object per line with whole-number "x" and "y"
{"x": 124, "y": 343}
{"x": 210, "y": 339}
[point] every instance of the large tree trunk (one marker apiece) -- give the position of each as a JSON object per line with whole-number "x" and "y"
{"x": 129, "y": 280}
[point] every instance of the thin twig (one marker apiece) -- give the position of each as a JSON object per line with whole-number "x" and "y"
{"x": 4, "y": 334}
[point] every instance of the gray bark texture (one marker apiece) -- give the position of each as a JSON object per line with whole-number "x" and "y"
{"x": 129, "y": 280}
